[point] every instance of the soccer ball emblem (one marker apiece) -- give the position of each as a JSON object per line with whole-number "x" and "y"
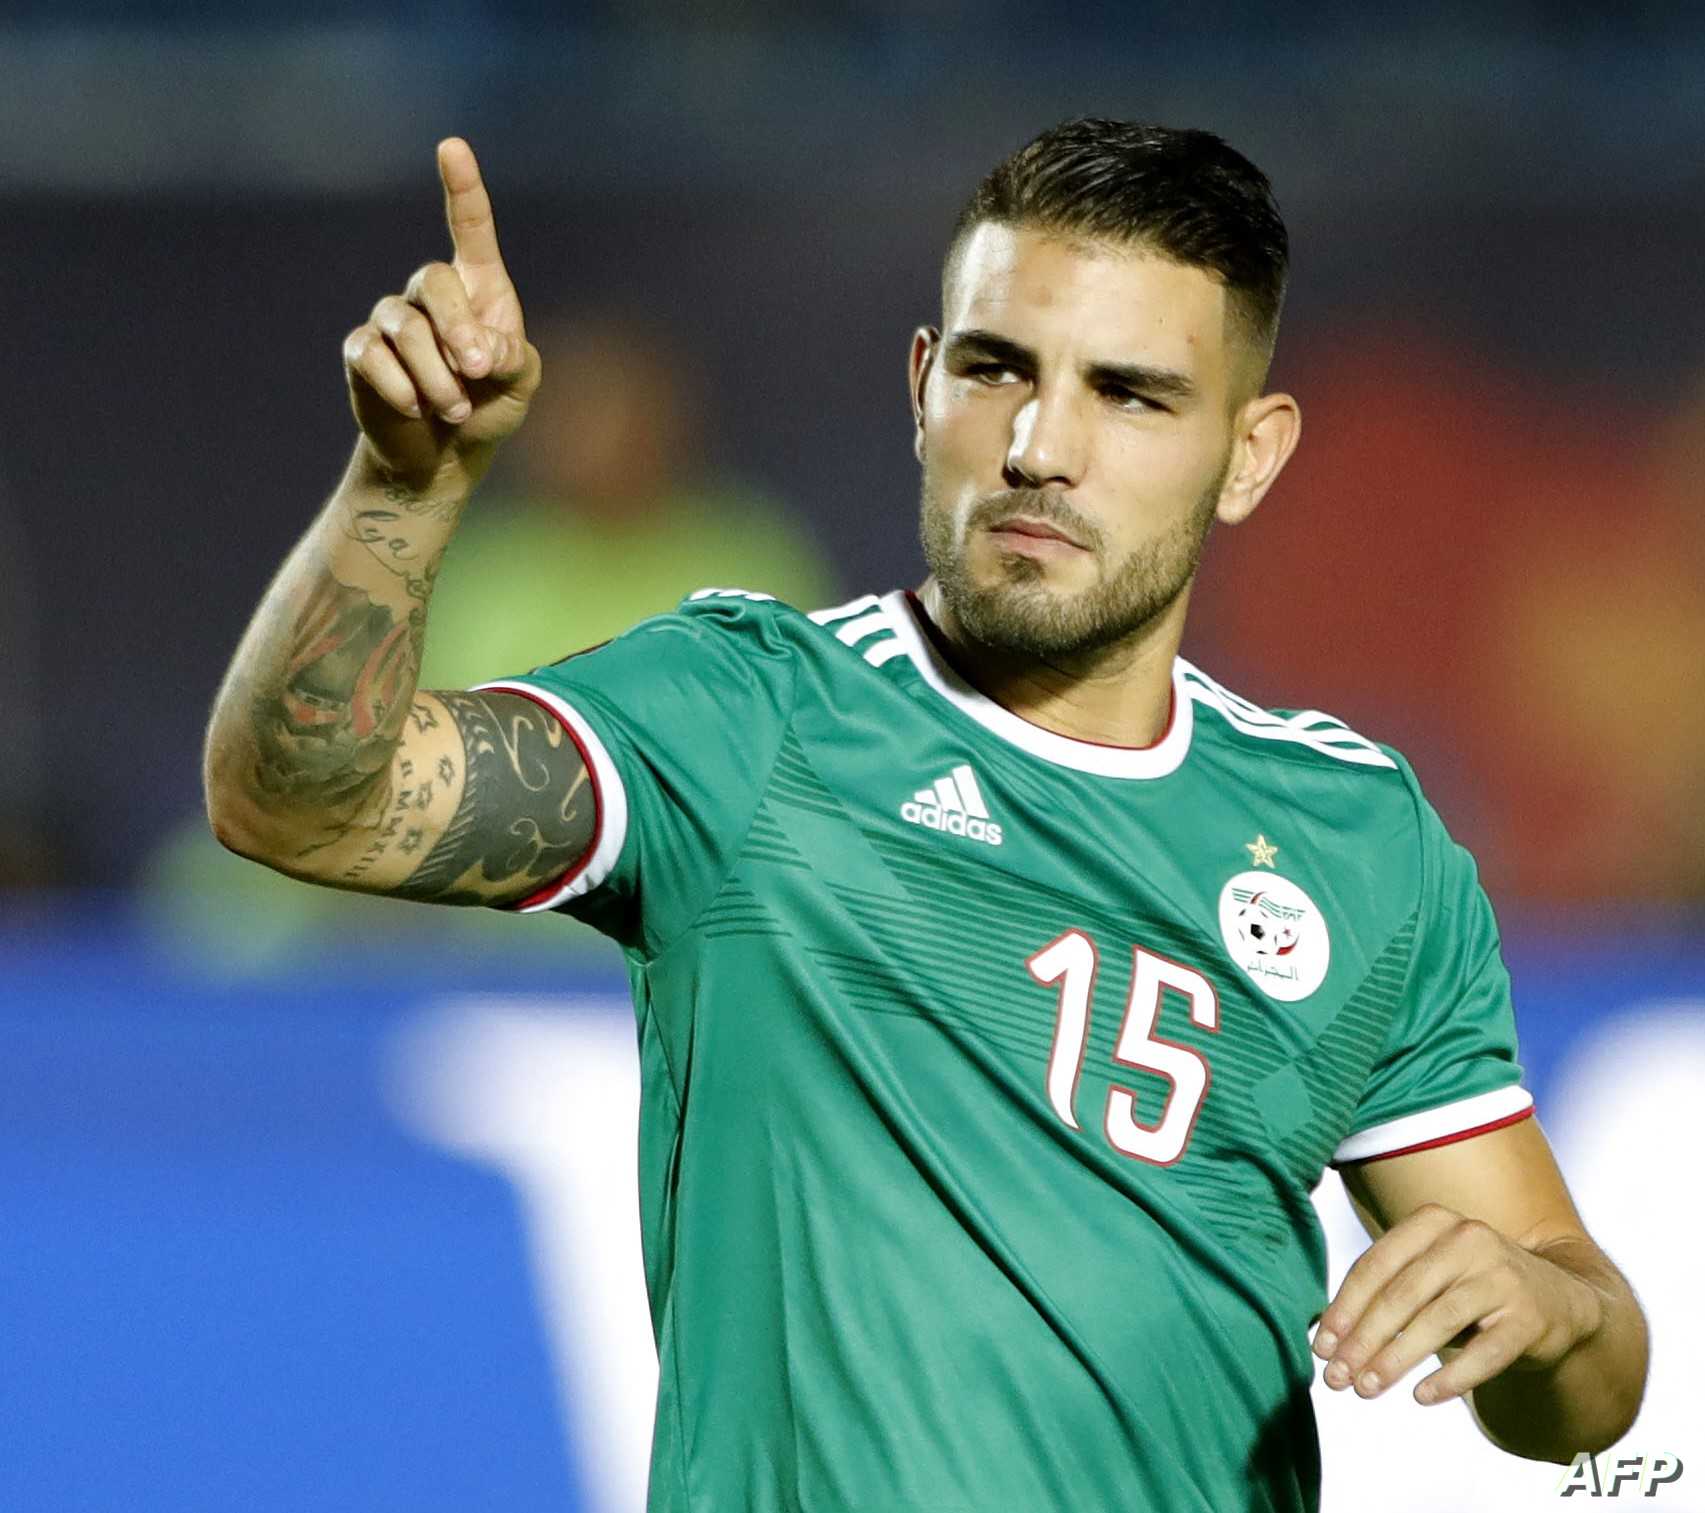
{"x": 1276, "y": 933}
{"x": 1264, "y": 929}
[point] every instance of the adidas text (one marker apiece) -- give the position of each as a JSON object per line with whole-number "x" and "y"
{"x": 953, "y": 821}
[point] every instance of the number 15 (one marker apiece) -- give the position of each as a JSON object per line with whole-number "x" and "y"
{"x": 1072, "y": 961}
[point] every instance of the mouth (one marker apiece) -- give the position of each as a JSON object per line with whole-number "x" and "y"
{"x": 1022, "y": 528}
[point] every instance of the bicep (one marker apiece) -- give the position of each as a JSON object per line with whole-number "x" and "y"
{"x": 1507, "y": 1178}
{"x": 486, "y": 799}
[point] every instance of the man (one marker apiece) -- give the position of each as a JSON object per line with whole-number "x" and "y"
{"x": 1004, "y": 983}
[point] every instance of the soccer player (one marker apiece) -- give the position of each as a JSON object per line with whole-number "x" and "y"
{"x": 1004, "y": 983}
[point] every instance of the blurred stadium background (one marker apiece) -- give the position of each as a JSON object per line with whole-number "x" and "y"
{"x": 318, "y": 1202}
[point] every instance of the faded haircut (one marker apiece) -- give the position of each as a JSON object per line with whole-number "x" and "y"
{"x": 1182, "y": 193}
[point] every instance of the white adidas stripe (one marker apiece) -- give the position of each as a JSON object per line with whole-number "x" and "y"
{"x": 843, "y": 611}
{"x": 854, "y": 631}
{"x": 729, "y": 593}
{"x": 1305, "y": 729}
{"x": 858, "y": 620}
{"x": 969, "y": 791}
{"x": 956, "y": 793}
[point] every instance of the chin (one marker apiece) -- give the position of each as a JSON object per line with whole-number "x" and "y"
{"x": 1028, "y": 617}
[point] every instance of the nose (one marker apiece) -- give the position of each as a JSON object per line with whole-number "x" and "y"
{"x": 1048, "y": 444}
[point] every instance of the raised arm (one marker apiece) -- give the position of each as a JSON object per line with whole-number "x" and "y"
{"x": 323, "y": 760}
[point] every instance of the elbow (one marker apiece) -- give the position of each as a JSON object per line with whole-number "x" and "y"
{"x": 258, "y": 826}
{"x": 234, "y": 829}
{"x": 1625, "y": 1361}
{"x": 232, "y": 833}
{"x": 221, "y": 801}
{"x": 237, "y": 822}
{"x": 1625, "y": 1390}
{"x": 249, "y": 832}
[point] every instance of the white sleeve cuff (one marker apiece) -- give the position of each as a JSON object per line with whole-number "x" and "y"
{"x": 1437, "y": 1126}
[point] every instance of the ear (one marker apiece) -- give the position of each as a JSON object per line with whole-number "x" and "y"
{"x": 926, "y": 342}
{"x": 1265, "y": 433}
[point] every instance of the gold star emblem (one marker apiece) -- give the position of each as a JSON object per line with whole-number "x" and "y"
{"x": 1261, "y": 850}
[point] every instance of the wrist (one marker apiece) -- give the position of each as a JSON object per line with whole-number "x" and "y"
{"x": 447, "y": 479}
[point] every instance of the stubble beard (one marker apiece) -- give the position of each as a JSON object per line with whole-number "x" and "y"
{"x": 1019, "y": 613}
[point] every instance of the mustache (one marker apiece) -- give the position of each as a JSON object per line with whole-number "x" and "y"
{"x": 1042, "y": 504}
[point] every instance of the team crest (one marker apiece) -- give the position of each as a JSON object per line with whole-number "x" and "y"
{"x": 1276, "y": 934}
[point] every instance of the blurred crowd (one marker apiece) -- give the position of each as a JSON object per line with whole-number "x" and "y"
{"x": 603, "y": 515}
{"x": 1489, "y": 550}
{"x": 1504, "y": 578}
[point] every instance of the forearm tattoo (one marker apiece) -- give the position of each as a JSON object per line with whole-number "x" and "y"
{"x": 526, "y": 813}
{"x": 325, "y": 734}
{"x": 392, "y": 544}
{"x": 329, "y": 734}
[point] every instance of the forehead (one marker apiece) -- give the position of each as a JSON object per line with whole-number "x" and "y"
{"x": 1097, "y": 299}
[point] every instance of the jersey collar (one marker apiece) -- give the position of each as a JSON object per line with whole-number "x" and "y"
{"x": 1156, "y": 761}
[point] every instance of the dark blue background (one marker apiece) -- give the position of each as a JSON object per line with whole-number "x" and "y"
{"x": 232, "y": 1280}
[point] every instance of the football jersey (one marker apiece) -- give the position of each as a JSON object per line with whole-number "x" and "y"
{"x": 986, "y": 1071}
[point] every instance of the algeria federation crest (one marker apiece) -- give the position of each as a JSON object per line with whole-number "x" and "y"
{"x": 1276, "y": 934}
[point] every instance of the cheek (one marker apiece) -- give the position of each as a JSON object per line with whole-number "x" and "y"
{"x": 1172, "y": 462}
{"x": 957, "y": 475}
{"x": 970, "y": 432}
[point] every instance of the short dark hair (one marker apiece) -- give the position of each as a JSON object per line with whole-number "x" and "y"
{"x": 1184, "y": 193}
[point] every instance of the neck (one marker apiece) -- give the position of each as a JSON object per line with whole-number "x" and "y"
{"x": 1117, "y": 695}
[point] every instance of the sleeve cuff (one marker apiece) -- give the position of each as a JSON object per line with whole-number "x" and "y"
{"x": 609, "y": 801}
{"x": 1447, "y": 1123}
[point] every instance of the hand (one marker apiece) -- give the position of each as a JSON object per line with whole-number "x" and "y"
{"x": 442, "y": 372}
{"x": 1438, "y": 1279}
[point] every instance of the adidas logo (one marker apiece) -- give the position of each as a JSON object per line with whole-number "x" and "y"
{"x": 955, "y": 804}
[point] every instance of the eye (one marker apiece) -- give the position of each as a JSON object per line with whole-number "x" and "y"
{"x": 1129, "y": 399}
{"x": 990, "y": 372}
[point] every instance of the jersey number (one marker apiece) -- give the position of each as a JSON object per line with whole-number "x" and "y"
{"x": 1072, "y": 961}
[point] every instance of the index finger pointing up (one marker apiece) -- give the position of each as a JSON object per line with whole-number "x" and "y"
{"x": 467, "y": 207}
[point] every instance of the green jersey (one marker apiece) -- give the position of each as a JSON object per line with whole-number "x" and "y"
{"x": 987, "y": 1072}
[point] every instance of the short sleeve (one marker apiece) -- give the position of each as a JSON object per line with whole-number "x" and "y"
{"x": 1448, "y": 1069}
{"x": 678, "y": 722}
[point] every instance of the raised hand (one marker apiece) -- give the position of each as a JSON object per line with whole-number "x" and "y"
{"x": 442, "y": 372}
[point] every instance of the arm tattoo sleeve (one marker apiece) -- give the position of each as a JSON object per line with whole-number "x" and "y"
{"x": 526, "y": 813}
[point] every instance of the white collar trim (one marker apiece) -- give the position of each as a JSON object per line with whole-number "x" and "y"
{"x": 1156, "y": 761}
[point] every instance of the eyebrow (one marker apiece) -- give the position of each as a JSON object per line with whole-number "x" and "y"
{"x": 1140, "y": 377}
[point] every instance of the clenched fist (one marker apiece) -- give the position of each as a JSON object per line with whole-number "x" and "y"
{"x": 441, "y": 373}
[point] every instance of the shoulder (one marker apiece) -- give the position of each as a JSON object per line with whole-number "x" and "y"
{"x": 725, "y": 621}
{"x": 1308, "y": 736}
{"x": 766, "y": 634}
{"x": 1363, "y": 791}
{"x": 1358, "y": 779}
{"x": 864, "y": 626}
